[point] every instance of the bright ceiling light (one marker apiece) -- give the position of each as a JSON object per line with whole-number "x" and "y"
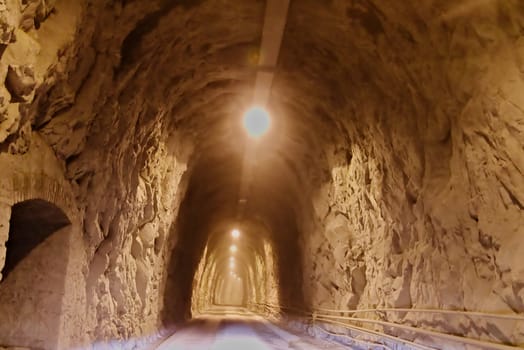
{"x": 235, "y": 233}
{"x": 256, "y": 121}
{"x": 233, "y": 248}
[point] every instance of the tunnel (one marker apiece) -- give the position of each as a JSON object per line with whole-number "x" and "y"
{"x": 264, "y": 174}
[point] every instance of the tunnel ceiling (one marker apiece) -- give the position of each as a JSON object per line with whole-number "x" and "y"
{"x": 190, "y": 66}
{"x": 364, "y": 73}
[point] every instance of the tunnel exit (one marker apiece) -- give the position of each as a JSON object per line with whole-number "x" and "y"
{"x": 230, "y": 291}
{"x": 241, "y": 277}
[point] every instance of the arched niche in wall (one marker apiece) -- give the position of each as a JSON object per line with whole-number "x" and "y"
{"x": 33, "y": 284}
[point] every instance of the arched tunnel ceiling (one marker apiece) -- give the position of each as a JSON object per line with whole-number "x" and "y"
{"x": 200, "y": 71}
{"x": 351, "y": 74}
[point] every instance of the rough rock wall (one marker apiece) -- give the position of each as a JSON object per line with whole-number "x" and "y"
{"x": 126, "y": 271}
{"x": 424, "y": 207}
{"x": 36, "y": 38}
{"x": 59, "y": 67}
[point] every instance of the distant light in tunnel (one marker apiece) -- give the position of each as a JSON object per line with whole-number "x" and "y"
{"x": 256, "y": 121}
{"x": 235, "y": 233}
{"x": 233, "y": 249}
{"x": 231, "y": 264}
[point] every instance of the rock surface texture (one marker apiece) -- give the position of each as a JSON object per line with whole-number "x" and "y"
{"x": 392, "y": 176}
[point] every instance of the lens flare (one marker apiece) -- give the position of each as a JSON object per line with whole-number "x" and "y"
{"x": 256, "y": 121}
{"x": 235, "y": 233}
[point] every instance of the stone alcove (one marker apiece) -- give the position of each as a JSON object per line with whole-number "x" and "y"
{"x": 34, "y": 274}
{"x": 42, "y": 253}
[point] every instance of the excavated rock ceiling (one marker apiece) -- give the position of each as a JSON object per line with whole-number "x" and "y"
{"x": 190, "y": 67}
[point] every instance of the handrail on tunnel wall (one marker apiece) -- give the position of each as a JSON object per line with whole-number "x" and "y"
{"x": 313, "y": 317}
{"x": 403, "y": 310}
{"x": 435, "y": 311}
{"x": 326, "y": 316}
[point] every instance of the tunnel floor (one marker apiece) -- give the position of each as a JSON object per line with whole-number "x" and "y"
{"x": 239, "y": 330}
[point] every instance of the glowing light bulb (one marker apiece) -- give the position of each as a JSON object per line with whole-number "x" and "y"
{"x": 235, "y": 233}
{"x": 233, "y": 248}
{"x": 256, "y": 121}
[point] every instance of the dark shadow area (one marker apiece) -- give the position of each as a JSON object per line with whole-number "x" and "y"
{"x": 32, "y": 292}
{"x": 212, "y": 200}
{"x": 32, "y": 222}
{"x": 203, "y": 203}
